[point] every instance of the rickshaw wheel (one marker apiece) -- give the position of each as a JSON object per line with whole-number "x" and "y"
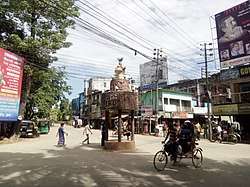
{"x": 160, "y": 160}
{"x": 197, "y": 157}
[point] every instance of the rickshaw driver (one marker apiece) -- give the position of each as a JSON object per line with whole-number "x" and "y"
{"x": 173, "y": 143}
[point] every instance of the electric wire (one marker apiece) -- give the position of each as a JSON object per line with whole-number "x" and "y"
{"x": 111, "y": 38}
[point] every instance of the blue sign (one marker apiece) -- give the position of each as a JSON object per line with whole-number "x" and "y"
{"x": 153, "y": 86}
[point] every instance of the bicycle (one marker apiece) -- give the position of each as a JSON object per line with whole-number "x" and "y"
{"x": 161, "y": 157}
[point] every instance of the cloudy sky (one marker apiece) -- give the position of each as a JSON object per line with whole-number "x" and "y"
{"x": 111, "y": 29}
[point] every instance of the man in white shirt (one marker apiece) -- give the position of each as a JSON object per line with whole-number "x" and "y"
{"x": 219, "y": 130}
{"x": 86, "y": 131}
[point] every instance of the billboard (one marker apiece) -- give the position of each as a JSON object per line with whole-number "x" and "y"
{"x": 146, "y": 110}
{"x": 148, "y": 72}
{"x": 11, "y": 71}
{"x": 233, "y": 34}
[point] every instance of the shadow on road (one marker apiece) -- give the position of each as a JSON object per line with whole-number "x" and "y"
{"x": 90, "y": 165}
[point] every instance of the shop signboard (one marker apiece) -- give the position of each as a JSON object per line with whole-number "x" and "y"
{"x": 244, "y": 71}
{"x": 244, "y": 108}
{"x": 180, "y": 115}
{"x": 146, "y": 110}
{"x": 11, "y": 70}
{"x": 226, "y": 110}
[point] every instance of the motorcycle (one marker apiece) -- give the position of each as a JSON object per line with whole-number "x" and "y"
{"x": 230, "y": 137}
{"x": 226, "y": 136}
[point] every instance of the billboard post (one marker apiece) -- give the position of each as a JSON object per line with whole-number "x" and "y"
{"x": 11, "y": 71}
{"x": 233, "y": 33}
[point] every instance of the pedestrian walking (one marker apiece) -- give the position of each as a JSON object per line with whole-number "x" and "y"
{"x": 197, "y": 130}
{"x": 86, "y": 131}
{"x": 103, "y": 125}
{"x": 60, "y": 133}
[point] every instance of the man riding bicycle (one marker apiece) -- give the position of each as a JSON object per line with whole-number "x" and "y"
{"x": 172, "y": 144}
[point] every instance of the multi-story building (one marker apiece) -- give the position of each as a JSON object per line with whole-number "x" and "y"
{"x": 172, "y": 105}
{"x": 237, "y": 103}
{"x": 96, "y": 86}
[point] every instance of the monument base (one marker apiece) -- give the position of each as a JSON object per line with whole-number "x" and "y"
{"x": 115, "y": 145}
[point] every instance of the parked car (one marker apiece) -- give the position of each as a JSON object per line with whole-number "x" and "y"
{"x": 29, "y": 128}
{"x": 44, "y": 126}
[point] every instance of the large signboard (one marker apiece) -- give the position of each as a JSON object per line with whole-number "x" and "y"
{"x": 148, "y": 72}
{"x": 11, "y": 70}
{"x": 146, "y": 110}
{"x": 231, "y": 109}
{"x": 233, "y": 33}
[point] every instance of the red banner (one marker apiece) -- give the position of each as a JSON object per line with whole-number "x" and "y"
{"x": 11, "y": 71}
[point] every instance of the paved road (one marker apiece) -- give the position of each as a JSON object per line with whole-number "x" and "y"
{"x": 38, "y": 162}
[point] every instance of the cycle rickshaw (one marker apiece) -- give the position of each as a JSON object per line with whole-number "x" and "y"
{"x": 161, "y": 157}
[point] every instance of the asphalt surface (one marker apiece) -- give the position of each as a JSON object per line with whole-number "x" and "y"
{"x": 38, "y": 162}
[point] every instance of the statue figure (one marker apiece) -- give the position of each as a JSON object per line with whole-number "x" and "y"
{"x": 119, "y": 70}
{"x": 119, "y": 83}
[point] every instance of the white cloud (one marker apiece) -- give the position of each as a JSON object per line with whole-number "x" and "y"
{"x": 150, "y": 27}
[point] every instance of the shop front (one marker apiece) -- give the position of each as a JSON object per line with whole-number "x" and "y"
{"x": 240, "y": 112}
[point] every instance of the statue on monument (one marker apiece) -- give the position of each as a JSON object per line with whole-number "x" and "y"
{"x": 120, "y": 70}
{"x": 119, "y": 83}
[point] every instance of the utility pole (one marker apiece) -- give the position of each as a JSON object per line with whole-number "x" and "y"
{"x": 207, "y": 89}
{"x": 157, "y": 58}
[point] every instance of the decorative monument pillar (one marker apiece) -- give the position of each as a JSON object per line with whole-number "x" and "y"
{"x": 119, "y": 99}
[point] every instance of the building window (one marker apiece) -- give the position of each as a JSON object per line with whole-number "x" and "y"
{"x": 105, "y": 84}
{"x": 165, "y": 101}
{"x": 186, "y": 103}
{"x": 175, "y": 102}
{"x": 245, "y": 92}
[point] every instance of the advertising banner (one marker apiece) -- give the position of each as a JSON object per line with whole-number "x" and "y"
{"x": 233, "y": 33}
{"x": 146, "y": 110}
{"x": 11, "y": 70}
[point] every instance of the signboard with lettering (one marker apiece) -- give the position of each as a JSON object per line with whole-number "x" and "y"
{"x": 11, "y": 70}
{"x": 119, "y": 100}
{"x": 232, "y": 26}
{"x": 146, "y": 110}
{"x": 231, "y": 109}
{"x": 244, "y": 71}
{"x": 232, "y": 73}
{"x": 180, "y": 115}
{"x": 244, "y": 108}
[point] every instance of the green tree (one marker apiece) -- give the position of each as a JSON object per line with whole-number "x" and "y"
{"x": 45, "y": 23}
{"x": 51, "y": 91}
{"x": 35, "y": 30}
{"x": 54, "y": 113}
{"x": 64, "y": 108}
